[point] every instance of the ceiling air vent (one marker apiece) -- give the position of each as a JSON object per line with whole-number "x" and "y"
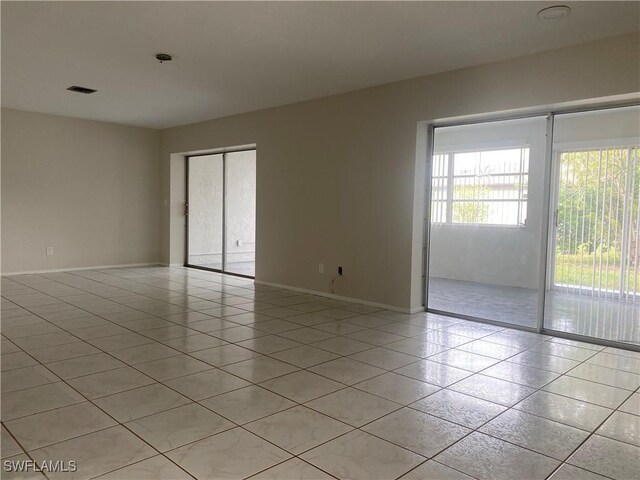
{"x": 77, "y": 89}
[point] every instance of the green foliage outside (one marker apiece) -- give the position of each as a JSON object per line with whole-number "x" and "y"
{"x": 578, "y": 270}
{"x": 591, "y": 210}
{"x": 470, "y": 212}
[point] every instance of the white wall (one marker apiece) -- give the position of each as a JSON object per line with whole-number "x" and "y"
{"x": 88, "y": 189}
{"x": 597, "y": 128}
{"x": 340, "y": 180}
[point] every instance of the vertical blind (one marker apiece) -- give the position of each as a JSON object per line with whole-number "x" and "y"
{"x": 597, "y": 222}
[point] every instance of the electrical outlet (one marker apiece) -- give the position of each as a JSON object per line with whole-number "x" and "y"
{"x": 321, "y": 268}
{"x": 49, "y": 251}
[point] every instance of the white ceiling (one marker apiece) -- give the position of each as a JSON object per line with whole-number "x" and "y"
{"x": 233, "y": 57}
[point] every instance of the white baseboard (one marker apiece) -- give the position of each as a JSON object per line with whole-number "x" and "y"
{"x": 340, "y": 297}
{"x": 75, "y": 269}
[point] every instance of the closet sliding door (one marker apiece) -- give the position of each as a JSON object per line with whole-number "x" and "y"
{"x": 240, "y": 212}
{"x": 205, "y": 199}
{"x": 221, "y": 212}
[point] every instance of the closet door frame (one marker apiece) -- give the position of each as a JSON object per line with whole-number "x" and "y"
{"x": 224, "y": 211}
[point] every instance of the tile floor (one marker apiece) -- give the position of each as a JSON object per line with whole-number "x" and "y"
{"x": 241, "y": 268}
{"x": 591, "y": 316}
{"x": 171, "y": 373}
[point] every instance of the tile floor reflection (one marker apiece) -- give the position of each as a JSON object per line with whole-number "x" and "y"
{"x": 590, "y": 316}
{"x": 172, "y": 373}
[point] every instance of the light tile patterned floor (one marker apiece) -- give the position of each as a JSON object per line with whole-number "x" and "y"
{"x": 171, "y": 373}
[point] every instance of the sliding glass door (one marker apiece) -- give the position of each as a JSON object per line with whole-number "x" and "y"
{"x": 221, "y": 212}
{"x": 594, "y": 255}
{"x": 486, "y": 212}
{"x": 535, "y": 223}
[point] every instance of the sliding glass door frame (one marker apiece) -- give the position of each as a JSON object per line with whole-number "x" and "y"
{"x": 548, "y": 209}
{"x": 224, "y": 211}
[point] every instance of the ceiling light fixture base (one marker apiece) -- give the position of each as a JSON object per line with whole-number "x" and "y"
{"x": 163, "y": 57}
{"x": 554, "y": 12}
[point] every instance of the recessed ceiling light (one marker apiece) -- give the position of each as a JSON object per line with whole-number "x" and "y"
{"x": 553, "y": 12}
{"x": 77, "y": 89}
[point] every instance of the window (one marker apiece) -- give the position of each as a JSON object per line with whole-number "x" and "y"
{"x": 487, "y": 187}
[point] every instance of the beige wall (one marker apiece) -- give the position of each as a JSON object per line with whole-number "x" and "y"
{"x": 89, "y": 189}
{"x": 340, "y": 179}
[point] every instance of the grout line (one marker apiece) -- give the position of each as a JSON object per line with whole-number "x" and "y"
{"x": 105, "y": 412}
